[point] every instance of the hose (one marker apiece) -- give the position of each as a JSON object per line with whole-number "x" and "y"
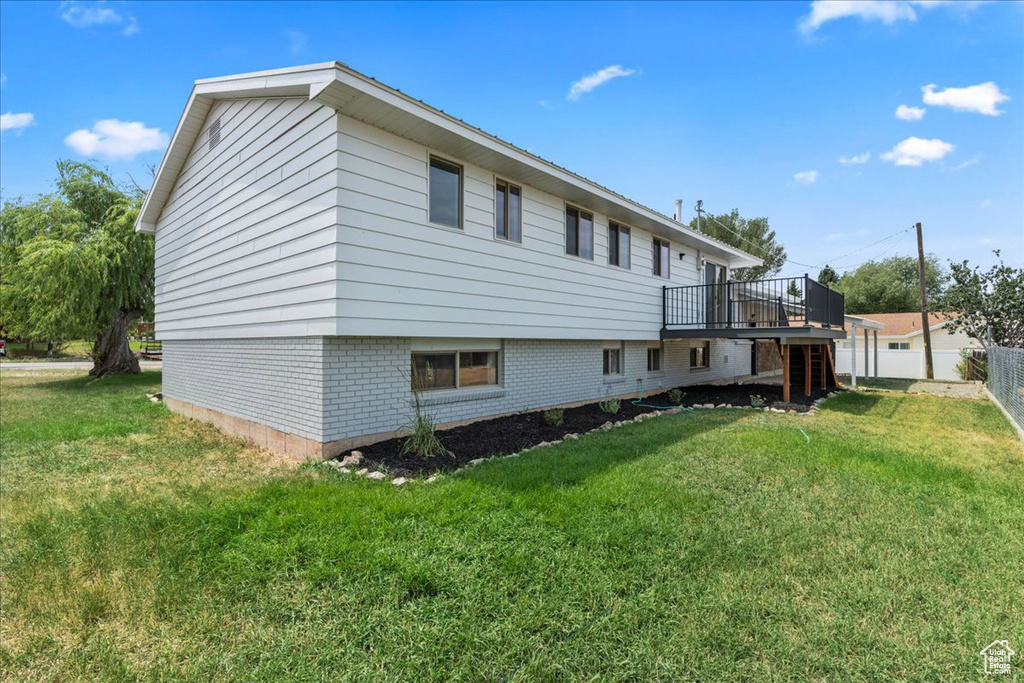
{"x": 638, "y": 401}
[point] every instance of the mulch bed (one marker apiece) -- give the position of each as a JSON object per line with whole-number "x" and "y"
{"x": 513, "y": 433}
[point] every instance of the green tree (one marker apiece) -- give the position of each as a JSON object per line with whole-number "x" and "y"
{"x": 753, "y": 236}
{"x": 984, "y": 302}
{"x": 828, "y": 276}
{"x": 890, "y": 286}
{"x": 74, "y": 267}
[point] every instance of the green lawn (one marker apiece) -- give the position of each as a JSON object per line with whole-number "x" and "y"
{"x": 706, "y": 546}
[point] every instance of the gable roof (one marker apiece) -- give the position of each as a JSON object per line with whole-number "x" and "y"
{"x": 907, "y": 324}
{"x": 363, "y": 98}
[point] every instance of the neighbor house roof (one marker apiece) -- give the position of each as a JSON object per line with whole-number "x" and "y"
{"x": 907, "y": 324}
{"x": 366, "y": 99}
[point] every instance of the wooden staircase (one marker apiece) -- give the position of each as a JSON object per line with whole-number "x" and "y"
{"x": 807, "y": 365}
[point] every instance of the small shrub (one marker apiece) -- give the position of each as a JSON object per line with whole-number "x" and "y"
{"x": 611, "y": 406}
{"x": 757, "y": 401}
{"x": 554, "y": 417}
{"x": 676, "y": 396}
{"x": 423, "y": 441}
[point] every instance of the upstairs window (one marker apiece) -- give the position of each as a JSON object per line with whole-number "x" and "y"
{"x": 661, "y": 258}
{"x": 508, "y": 211}
{"x": 445, "y": 193}
{"x": 579, "y": 233}
{"x": 618, "y": 245}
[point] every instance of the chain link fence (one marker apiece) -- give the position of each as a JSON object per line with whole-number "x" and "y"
{"x": 1006, "y": 380}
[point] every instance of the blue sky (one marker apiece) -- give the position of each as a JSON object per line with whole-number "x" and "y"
{"x": 744, "y": 105}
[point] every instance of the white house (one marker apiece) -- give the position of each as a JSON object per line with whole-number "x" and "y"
{"x": 321, "y": 236}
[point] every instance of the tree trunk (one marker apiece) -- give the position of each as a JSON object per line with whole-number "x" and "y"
{"x": 112, "y": 353}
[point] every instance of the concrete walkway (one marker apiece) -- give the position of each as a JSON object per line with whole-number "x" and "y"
{"x": 69, "y": 365}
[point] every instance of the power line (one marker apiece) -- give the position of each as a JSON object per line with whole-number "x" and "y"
{"x": 822, "y": 265}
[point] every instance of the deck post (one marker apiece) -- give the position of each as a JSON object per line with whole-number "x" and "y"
{"x": 664, "y": 307}
{"x": 785, "y": 373}
{"x": 823, "y": 348}
{"x": 807, "y": 369}
{"x": 875, "y": 334}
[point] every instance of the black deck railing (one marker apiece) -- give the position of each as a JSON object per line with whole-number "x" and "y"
{"x": 778, "y": 302}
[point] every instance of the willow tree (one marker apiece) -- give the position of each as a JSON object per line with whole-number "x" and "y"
{"x": 73, "y": 266}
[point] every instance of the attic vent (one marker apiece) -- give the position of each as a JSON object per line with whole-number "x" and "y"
{"x": 214, "y": 133}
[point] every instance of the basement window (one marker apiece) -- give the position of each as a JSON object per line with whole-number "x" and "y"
{"x": 613, "y": 358}
{"x": 654, "y": 354}
{"x": 454, "y": 369}
{"x": 700, "y": 355}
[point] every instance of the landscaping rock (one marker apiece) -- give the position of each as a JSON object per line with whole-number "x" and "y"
{"x": 476, "y": 461}
{"x": 571, "y": 437}
{"x": 362, "y": 473}
{"x": 606, "y": 427}
{"x": 376, "y": 476}
{"x": 432, "y": 478}
{"x": 352, "y": 459}
{"x": 399, "y": 481}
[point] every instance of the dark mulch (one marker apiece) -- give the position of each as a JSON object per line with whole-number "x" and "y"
{"x": 513, "y": 433}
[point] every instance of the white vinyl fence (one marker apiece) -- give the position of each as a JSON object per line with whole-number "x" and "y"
{"x": 908, "y": 364}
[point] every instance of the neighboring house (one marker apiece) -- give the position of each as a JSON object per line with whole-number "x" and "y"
{"x": 902, "y": 332}
{"x": 321, "y": 238}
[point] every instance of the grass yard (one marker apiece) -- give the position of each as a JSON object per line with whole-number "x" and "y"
{"x": 72, "y": 350}
{"x": 715, "y": 545}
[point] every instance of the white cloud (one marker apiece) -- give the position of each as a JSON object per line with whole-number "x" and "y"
{"x": 296, "y": 41}
{"x": 11, "y": 121}
{"x": 82, "y": 14}
{"x": 982, "y": 98}
{"x": 905, "y": 113}
{"x": 114, "y": 139}
{"x": 886, "y": 11}
{"x": 806, "y": 177}
{"x": 588, "y": 83}
{"x": 855, "y": 159}
{"x": 915, "y": 151}
{"x": 834, "y": 237}
{"x": 985, "y": 203}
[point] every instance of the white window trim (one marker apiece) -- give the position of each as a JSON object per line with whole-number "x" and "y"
{"x": 621, "y": 348}
{"x": 707, "y": 357}
{"x": 661, "y": 370}
{"x": 629, "y": 243}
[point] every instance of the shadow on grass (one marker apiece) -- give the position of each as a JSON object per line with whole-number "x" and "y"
{"x": 84, "y": 383}
{"x": 571, "y": 464}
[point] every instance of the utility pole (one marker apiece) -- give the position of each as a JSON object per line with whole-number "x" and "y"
{"x": 929, "y": 370}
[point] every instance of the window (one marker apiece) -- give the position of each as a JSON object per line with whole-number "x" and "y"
{"x": 618, "y": 245}
{"x": 445, "y": 193}
{"x": 454, "y": 369}
{"x": 899, "y": 346}
{"x": 654, "y": 358}
{"x": 579, "y": 233}
{"x": 700, "y": 353}
{"x": 613, "y": 358}
{"x": 508, "y": 211}
{"x": 661, "y": 258}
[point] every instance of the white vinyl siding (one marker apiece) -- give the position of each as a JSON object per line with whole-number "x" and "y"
{"x": 398, "y": 272}
{"x": 245, "y": 245}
